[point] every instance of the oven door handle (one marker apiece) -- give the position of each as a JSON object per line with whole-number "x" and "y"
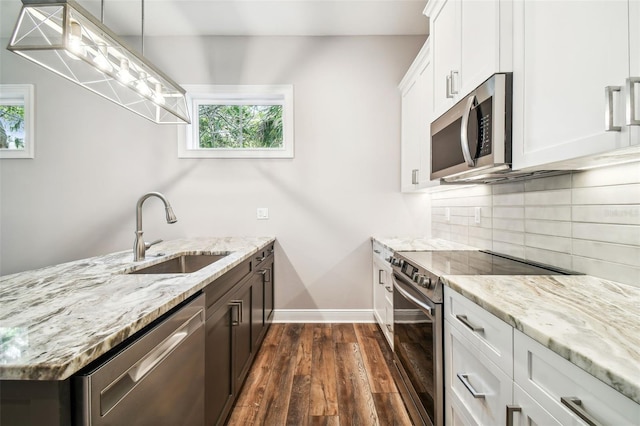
{"x": 413, "y": 299}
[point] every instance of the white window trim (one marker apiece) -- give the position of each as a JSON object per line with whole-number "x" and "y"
{"x": 20, "y": 94}
{"x": 196, "y": 94}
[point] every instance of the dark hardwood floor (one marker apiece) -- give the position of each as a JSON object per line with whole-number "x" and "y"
{"x": 321, "y": 374}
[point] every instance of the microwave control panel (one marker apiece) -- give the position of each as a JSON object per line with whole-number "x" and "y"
{"x": 484, "y": 127}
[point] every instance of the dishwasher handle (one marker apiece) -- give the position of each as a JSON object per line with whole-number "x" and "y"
{"x": 120, "y": 387}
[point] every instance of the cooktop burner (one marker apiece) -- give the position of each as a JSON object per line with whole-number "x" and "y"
{"x": 422, "y": 269}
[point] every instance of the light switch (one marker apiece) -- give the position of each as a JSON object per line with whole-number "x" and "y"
{"x": 262, "y": 213}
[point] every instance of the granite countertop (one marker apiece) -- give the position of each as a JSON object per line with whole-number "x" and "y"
{"x": 58, "y": 319}
{"x": 574, "y": 316}
{"x": 420, "y": 244}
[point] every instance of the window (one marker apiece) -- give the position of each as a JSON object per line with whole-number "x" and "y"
{"x": 238, "y": 122}
{"x": 16, "y": 121}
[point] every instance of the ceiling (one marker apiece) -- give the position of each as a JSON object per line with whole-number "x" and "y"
{"x": 250, "y": 17}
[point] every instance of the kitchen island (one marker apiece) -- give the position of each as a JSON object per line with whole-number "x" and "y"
{"x": 56, "y": 320}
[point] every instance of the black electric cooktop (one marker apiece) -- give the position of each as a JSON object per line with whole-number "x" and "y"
{"x": 422, "y": 269}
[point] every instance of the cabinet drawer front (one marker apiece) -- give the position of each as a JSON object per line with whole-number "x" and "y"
{"x": 547, "y": 377}
{"x": 528, "y": 411}
{"x": 492, "y": 336}
{"x": 482, "y": 387}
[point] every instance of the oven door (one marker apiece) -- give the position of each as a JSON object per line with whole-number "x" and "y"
{"x": 417, "y": 324}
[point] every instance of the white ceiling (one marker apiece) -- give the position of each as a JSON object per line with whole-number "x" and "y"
{"x": 251, "y": 17}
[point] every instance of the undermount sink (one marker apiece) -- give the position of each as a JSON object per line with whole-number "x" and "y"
{"x": 184, "y": 264}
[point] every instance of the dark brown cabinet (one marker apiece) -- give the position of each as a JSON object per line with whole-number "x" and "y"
{"x": 240, "y": 309}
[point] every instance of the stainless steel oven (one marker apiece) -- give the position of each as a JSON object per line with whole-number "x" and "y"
{"x": 417, "y": 342}
{"x": 418, "y": 320}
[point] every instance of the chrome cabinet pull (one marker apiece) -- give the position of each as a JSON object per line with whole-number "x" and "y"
{"x": 449, "y": 94}
{"x": 389, "y": 289}
{"x": 511, "y": 409}
{"x": 414, "y": 176}
{"x": 464, "y": 378}
{"x": 380, "y": 280}
{"x": 463, "y": 319}
{"x": 454, "y": 74}
{"x": 389, "y": 328}
{"x": 608, "y": 108}
{"x": 575, "y": 405}
{"x": 260, "y": 259}
{"x": 376, "y": 251}
{"x": 238, "y": 305}
{"x": 266, "y": 275}
{"x": 631, "y": 101}
{"x": 464, "y": 127}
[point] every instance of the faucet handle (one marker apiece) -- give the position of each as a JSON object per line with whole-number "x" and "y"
{"x": 148, "y": 245}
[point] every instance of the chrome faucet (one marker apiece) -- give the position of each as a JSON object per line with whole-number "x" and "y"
{"x": 139, "y": 246}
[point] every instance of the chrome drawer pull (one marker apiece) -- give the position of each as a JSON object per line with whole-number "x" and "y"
{"x": 511, "y": 409}
{"x": 464, "y": 378}
{"x": 575, "y": 405}
{"x": 608, "y": 109}
{"x": 380, "y": 280}
{"x": 463, "y": 319}
{"x": 631, "y": 101}
{"x": 389, "y": 289}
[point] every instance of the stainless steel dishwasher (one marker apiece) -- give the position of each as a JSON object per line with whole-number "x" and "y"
{"x": 156, "y": 380}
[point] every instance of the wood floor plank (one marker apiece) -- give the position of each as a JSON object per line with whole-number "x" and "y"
{"x": 258, "y": 377}
{"x": 275, "y": 403}
{"x": 391, "y": 410}
{"x": 344, "y": 333}
{"x": 380, "y": 378}
{"x": 298, "y": 413}
{"x": 324, "y": 389}
{"x": 303, "y": 365}
{"x": 355, "y": 400}
{"x": 324, "y": 421}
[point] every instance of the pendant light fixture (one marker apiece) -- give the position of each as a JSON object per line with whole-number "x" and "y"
{"x": 63, "y": 37}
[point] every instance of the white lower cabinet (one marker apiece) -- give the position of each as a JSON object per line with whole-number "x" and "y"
{"x": 551, "y": 379}
{"x": 474, "y": 382}
{"x": 383, "y": 291}
{"x": 541, "y": 387}
{"x": 525, "y": 411}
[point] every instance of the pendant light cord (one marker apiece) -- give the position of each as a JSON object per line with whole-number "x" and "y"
{"x": 141, "y": 21}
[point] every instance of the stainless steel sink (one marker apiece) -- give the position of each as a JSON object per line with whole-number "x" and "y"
{"x": 184, "y": 264}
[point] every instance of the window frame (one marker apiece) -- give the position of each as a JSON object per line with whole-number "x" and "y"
{"x": 188, "y": 135}
{"x": 20, "y": 94}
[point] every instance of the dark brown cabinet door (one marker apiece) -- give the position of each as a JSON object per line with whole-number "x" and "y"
{"x": 269, "y": 286}
{"x": 242, "y": 344}
{"x": 218, "y": 365}
{"x": 257, "y": 309}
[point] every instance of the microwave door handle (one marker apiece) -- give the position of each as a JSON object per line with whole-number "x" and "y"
{"x": 464, "y": 139}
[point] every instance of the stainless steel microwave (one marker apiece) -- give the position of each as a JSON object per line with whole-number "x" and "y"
{"x": 472, "y": 141}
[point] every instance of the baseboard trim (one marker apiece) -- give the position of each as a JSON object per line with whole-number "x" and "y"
{"x": 323, "y": 315}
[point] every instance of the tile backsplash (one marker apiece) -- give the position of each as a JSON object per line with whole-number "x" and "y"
{"x": 585, "y": 221}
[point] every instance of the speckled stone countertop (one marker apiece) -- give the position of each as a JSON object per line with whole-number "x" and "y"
{"x": 56, "y": 320}
{"x": 592, "y": 322}
{"x": 419, "y": 244}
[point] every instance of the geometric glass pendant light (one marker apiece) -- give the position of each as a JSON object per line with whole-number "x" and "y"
{"x": 66, "y": 39}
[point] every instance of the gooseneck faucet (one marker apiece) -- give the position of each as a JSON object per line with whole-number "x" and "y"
{"x": 139, "y": 246}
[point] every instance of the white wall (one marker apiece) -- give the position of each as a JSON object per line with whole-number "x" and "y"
{"x": 585, "y": 221}
{"x": 94, "y": 159}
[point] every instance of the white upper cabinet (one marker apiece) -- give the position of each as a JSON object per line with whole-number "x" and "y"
{"x": 467, "y": 46}
{"x": 417, "y": 93}
{"x": 567, "y": 54}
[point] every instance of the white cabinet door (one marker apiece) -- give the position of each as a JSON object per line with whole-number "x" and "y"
{"x": 634, "y": 58}
{"x": 445, "y": 33}
{"x": 410, "y": 137}
{"x": 467, "y": 46}
{"x": 417, "y": 100}
{"x": 525, "y": 411}
{"x": 565, "y": 54}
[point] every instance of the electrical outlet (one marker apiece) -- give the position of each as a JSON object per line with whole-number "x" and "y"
{"x": 262, "y": 213}
{"x": 476, "y": 215}
{"x": 447, "y": 214}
